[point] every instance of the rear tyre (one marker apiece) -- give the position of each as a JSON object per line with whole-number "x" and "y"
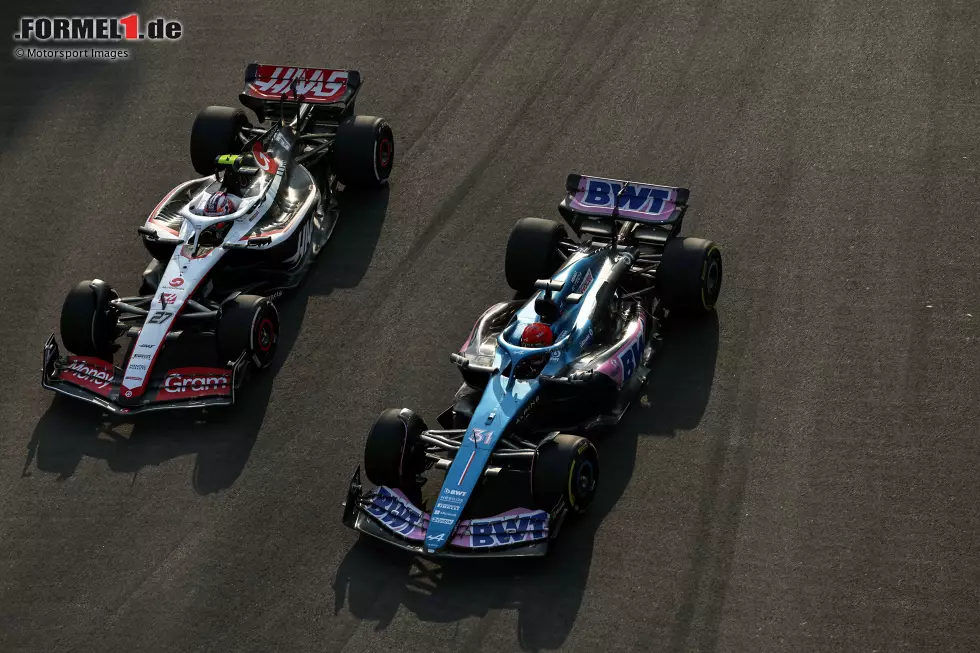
{"x": 215, "y": 132}
{"x": 394, "y": 454}
{"x": 363, "y": 152}
{"x": 566, "y": 469}
{"x": 532, "y": 253}
{"x": 248, "y": 324}
{"x": 689, "y": 275}
{"x": 88, "y": 323}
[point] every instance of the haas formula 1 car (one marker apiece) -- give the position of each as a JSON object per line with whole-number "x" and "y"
{"x": 223, "y": 246}
{"x": 540, "y": 375}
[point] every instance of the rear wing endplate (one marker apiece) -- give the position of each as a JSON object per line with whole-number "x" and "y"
{"x": 599, "y": 198}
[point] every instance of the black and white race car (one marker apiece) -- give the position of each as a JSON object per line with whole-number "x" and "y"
{"x": 224, "y": 246}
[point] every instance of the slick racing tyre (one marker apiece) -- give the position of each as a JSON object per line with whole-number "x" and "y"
{"x": 394, "y": 455}
{"x": 689, "y": 275}
{"x": 88, "y": 322}
{"x": 566, "y": 468}
{"x": 363, "y": 152}
{"x": 248, "y": 324}
{"x": 532, "y": 253}
{"x": 215, "y": 132}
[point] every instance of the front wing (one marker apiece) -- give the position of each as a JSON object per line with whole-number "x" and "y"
{"x": 388, "y": 515}
{"x": 99, "y": 383}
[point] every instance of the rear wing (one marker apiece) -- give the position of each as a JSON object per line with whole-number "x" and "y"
{"x": 598, "y": 198}
{"x": 330, "y": 92}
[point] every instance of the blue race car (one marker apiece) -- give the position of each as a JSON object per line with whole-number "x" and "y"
{"x": 541, "y": 375}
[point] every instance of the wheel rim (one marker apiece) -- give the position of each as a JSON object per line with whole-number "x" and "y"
{"x": 264, "y": 338}
{"x": 713, "y": 278}
{"x": 585, "y": 482}
{"x": 266, "y": 335}
{"x": 384, "y": 152}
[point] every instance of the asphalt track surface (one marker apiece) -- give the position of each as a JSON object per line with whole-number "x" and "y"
{"x": 801, "y": 474}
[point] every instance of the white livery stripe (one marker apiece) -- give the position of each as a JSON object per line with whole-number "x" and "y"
{"x": 466, "y": 469}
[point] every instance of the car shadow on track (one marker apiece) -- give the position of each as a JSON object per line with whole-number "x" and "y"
{"x": 222, "y": 440}
{"x": 375, "y": 579}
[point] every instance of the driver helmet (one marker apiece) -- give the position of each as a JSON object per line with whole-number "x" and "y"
{"x": 537, "y": 334}
{"x": 221, "y": 203}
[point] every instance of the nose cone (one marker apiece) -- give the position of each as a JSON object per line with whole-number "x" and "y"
{"x": 436, "y": 538}
{"x": 456, "y": 491}
{"x": 442, "y": 523}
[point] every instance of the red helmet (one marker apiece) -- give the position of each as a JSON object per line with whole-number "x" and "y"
{"x": 537, "y": 334}
{"x": 219, "y": 204}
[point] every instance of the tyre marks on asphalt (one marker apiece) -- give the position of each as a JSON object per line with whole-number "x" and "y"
{"x": 757, "y": 360}
{"x": 862, "y": 323}
{"x": 475, "y": 172}
{"x": 878, "y": 310}
{"x": 798, "y": 351}
{"x": 467, "y": 76}
{"x": 581, "y": 87}
{"x": 889, "y": 527}
{"x": 844, "y": 352}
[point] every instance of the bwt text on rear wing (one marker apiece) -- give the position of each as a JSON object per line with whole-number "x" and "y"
{"x": 265, "y": 86}
{"x": 599, "y": 198}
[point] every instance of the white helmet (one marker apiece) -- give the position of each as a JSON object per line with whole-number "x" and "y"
{"x": 221, "y": 203}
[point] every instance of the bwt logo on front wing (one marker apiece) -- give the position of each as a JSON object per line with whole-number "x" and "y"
{"x": 75, "y": 29}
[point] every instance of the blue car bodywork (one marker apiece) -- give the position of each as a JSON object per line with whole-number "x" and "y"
{"x": 505, "y": 397}
{"x": 605, "y": 333}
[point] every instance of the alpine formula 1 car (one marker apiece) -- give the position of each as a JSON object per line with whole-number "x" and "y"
{"x": 223, "y": 247}
{"x": 541, "y": 375}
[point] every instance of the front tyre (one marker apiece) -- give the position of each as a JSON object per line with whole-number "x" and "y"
{"x": 689, "y": 276}
{"x": 394, "y": 454}
{"x": 566, "y": 469}
{"x": 248, "y": 324}
{"x": 363, "y": 151}
{"x": 88, "y": 322}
